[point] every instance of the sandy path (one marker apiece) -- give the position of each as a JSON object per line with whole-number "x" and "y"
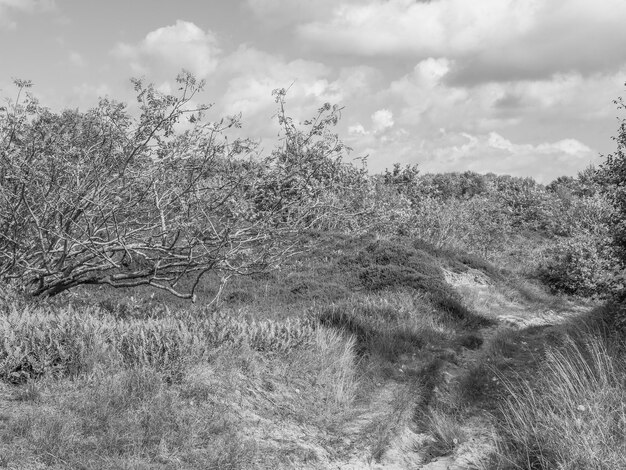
{"x": 404, "y": 447}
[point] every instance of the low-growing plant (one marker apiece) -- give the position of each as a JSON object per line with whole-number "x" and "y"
{"x": 573, "y": 417}
{"x": 261, "y": 335}
{"x": 129, "y": 418}
{"x": 375, "y": 333}
{"x": 446, "y": 435}
{"x": 70, "y": 342}
{"x": 166, "y": 344}
{"x": 38, "y": 342}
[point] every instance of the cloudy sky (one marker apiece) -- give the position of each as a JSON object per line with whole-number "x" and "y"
{"x": 522, "y": 87}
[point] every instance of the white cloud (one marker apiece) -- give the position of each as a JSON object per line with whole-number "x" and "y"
{"x": 440, "y": 28}
{"x": 542, "y": 128}
{"x": 280, "y": 13}
{"x": 382, "y": 119}
{"x": 7, "y": 7}
{"x": 172, "y": 48}
{"x": 492, "y": 39}
{"x": 430, "y": 72}
{"x": 357, "y": 129}
{"x": 251, "y": 75}
{"x": 77, "y": 59}
{"x": 494, "y": 153}
{"x": 564, "y": 104}
{"x": 482, "y": 153}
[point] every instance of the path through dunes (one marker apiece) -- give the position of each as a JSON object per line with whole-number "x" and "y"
{"x": 454, "y": 429}
{"x": 404, "y": 368}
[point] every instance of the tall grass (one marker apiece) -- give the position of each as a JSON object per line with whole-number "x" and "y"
{"x": 70, "y": 341}
{"x": 129, "y": 419}
{"x": 573, "y": 417}
{"x": 336, "y": 371}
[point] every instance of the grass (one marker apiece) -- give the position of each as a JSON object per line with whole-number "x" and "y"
{"x": 447, "y": 435}
{"x": 573, "y": 417}
{"x": 385, "y": 428}
{"x": 138, "y": 417}
{"x": 150, "y": 383}
{"x": 357, "y": 330}
{"x": 129, "y": 418}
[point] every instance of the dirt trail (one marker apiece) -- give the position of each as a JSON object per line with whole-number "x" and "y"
{"x": 405, "y": 444}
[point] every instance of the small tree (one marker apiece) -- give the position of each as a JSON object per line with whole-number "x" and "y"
{"x": 612, "y": 174}
{"x": 612, "y": 177}
{"x": 102, "y": 197}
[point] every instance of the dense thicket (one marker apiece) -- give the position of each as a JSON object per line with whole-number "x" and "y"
{"x": 612, "y": 176}
{"x": 160, "y": 198}
{"x": 164, "y": 196}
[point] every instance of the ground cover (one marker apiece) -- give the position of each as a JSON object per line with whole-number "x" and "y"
{"x": 361, "y": 353}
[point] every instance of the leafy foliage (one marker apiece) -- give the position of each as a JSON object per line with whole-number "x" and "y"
{"x": 102, "y": 197}
{"x": 579, "y": 265}
{"x": 71, "y": 342}
{"x": 613, "y": 175}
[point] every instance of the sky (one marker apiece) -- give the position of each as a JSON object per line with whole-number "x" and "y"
{"x": 520, "y": 87}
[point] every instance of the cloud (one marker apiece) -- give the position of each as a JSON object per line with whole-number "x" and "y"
{"x": 494, "y": 153}
{"x": 172, "y": 48}
{"x": 420, "y": 29}
{"x": 482, "y": 153}
{"x": 7, "y": 7}
{"x": 357, "y": 129}
{"x": 490, "y": 39}
{"x": 77, "y": 59}
{"x": 542, "y": 128}
{"x": 382, "y": 119}
{"x": 281, "y": 13}
{"x": 252, "y": 74}
{"x": 563, "y": 104}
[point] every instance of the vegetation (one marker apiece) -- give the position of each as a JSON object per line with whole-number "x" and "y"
{"x": 574, "y": 417}
{"x": 396, "y": 318}
{"x": 103, "y": 197}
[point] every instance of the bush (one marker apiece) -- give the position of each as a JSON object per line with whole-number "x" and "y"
{"x": 579, "y": 265}
{"x": 386, "y": 264}
{"x": 480, "y": 224}
{"x": 105, "y": 197}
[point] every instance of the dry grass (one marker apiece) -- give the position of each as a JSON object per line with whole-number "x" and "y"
{"x": 573, "y": 417}
{"x": 446, "y": 432}
{"x": 131, "y": 419}
{"x": 298, "y": 368}
{"x": 238, "y": 408}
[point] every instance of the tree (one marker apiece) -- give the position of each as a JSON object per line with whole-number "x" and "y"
{"x": 612, "y": 174}
{"x": 405, "y": 181}
{"x": 102, "y": 197}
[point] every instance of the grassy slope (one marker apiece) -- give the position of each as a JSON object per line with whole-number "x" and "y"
{"x": 358, "y": 353}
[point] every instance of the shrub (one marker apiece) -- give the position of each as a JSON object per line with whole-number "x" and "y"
{"x": 480, "y": 224}
{"x": 580, "y": 265}
{"x": 387, "y": 264}
{"x": 105, "y": 197}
